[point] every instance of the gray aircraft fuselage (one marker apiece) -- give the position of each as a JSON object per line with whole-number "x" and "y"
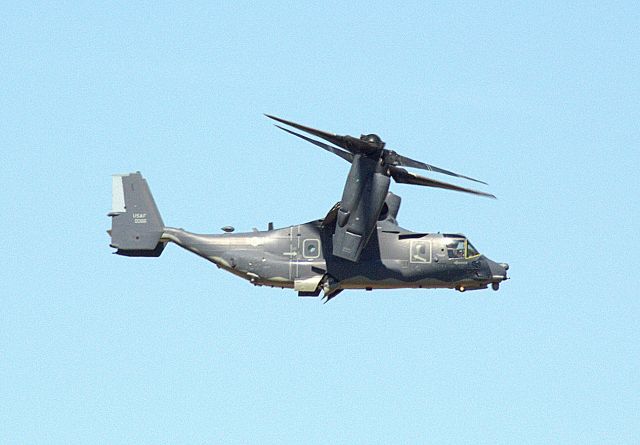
{"x": 299, "y": 257}
{"x": 358, "y": 245}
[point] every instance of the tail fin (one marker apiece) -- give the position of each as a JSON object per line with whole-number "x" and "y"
{"x": 136, "y": 225}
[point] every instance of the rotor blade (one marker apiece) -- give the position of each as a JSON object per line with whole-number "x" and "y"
{"x": 343, "y": 154}
{"x": 340, "y": 141}
{"x": 402, "y": 176}
{"x": 408, "y": 162}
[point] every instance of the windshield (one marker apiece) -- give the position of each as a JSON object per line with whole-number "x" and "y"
{"x": 471, "y": 251}
{"x": 460, "y": 248}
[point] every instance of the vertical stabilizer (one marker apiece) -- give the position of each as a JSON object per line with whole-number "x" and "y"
{"x": 136, "y": 225}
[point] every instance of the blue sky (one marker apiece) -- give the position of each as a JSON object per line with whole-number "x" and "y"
{"x": 540, "y": 100}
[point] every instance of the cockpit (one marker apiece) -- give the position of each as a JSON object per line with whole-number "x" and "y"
{"x": 459, "y": 247}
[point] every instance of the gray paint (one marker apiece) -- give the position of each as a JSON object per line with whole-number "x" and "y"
{"x": 301, "y": 256}
{"x": 137, "y": 226}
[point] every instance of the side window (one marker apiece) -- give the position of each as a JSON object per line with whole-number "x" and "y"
{"x": 311, "y": 248}
{"x": 455, "y": 248}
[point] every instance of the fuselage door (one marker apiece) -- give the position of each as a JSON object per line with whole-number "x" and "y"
{"x": 302, "y": 252}
{"x": 294, "y": 247}
{"x": 420, "y": 251}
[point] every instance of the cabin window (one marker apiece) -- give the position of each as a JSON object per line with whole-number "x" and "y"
{"x": 311, "y": 248}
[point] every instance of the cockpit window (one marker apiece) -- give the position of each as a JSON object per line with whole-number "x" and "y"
{"x": 471, "y": 251}
{"x": 455, "y": 248}
{"x": 460, "y": 248}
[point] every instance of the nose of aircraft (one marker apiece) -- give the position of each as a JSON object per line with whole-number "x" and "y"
{"x": 498, "y": 273}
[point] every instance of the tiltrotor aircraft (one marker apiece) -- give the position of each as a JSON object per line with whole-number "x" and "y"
{"x": 357, "y": 245}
